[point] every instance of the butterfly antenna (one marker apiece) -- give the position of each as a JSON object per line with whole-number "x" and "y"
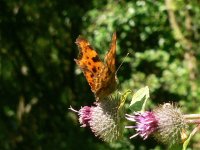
{"x": 121, "y": 63}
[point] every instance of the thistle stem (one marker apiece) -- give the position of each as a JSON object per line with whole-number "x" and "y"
{"x": 192, "y": 116}
{"x": 193, "y": 121}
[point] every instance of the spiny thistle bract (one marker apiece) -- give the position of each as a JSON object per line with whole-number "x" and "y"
{"x": 105, "y": 121}
{"x": 171, "y": 123}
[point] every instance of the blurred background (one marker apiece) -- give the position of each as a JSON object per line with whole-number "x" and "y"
{"x": 39, "y": 79}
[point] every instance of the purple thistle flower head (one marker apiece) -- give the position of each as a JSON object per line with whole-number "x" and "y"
{"x": 166, "y": 123}
{"x": 104, "y": 119}
{"x": 146, "y": 124}
{"x": 84, "y": 115}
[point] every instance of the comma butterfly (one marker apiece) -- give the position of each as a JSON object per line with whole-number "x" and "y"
{"x": 100, "y": 75}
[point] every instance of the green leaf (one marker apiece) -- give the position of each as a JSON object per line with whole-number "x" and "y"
{"x": 139, "y": 99}
{"x": 123, "y": 98}
{"x": 185, "y": 144}
{"x": 121, "y": 111}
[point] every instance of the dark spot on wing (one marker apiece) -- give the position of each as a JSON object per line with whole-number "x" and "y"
{"x": 95, "y": 59}
{"x": 92, "y": 75}
{"x": 85, "y": 50}
{"x": 89, "y": 63}
{"x": 94, "y": 69}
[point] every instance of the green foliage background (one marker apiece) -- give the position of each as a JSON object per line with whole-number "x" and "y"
{"x": 39, "y": 79}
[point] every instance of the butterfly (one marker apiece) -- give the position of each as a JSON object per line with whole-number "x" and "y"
{"x": 100, "y": 74}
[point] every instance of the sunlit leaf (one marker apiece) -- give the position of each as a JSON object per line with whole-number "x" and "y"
{"x": 123, "y": 98}
{"x": 139, "y": 99}
{"x": 185, "y": 144}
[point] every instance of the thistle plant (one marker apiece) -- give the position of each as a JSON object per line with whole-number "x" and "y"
{"x": 105, "y": 118}
{"x": 166, "y": 123}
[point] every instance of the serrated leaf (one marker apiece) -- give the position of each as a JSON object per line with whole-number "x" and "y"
{"x": 140, "y": 97}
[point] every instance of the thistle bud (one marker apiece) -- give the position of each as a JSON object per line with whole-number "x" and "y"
{"x": 170, "y": 124}
{"x": 105, "y": 120}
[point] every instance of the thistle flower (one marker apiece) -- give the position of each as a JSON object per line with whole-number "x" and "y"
{"x": 146, "y": 124}
{"x": 104, "y": 118}
{"x": 165, "y": 123}
{"x": 84, "y": 115}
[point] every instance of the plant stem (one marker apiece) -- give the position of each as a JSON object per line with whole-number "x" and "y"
{"x": 192, "y": 116}
{"x": 193, "y": 121}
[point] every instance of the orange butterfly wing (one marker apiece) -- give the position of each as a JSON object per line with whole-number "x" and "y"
{"x": 100, "y": 75}
{"x": 107, "y": 82}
